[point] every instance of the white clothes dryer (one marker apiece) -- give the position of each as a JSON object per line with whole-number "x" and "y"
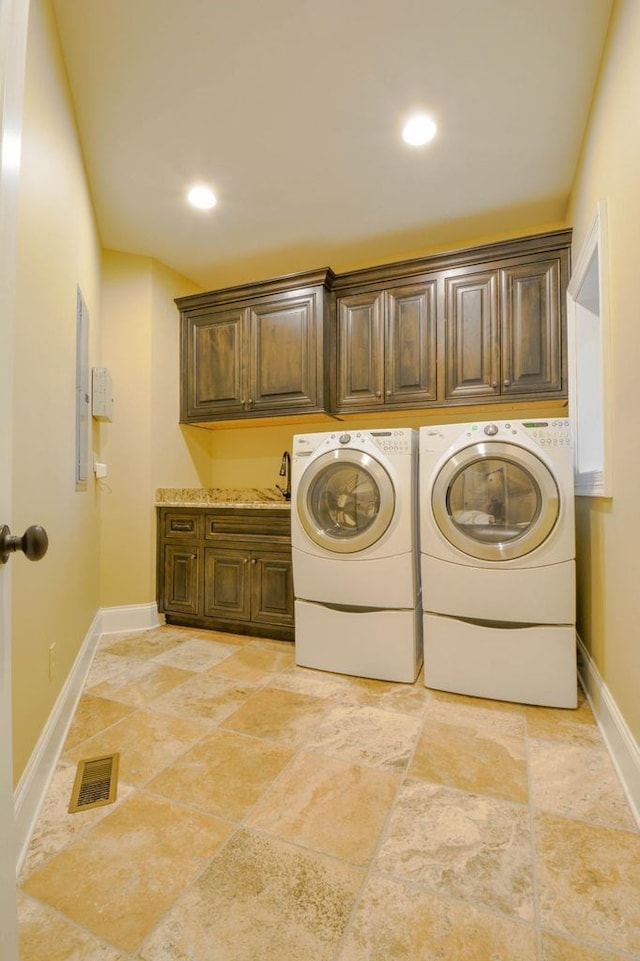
{"x": 354, "y": 537}
{"x": 497, "y": 554}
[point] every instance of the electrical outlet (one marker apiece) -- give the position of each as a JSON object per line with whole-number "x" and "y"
{"x": 52, "y": 660}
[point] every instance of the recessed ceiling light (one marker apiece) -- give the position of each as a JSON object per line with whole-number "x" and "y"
{"x": 202, "y": 197}
{"x": 418, "y": 130}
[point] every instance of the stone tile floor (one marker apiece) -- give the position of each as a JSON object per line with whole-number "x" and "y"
{"x": 271, "y": 812}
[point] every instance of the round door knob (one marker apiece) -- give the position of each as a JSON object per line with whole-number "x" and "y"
{"x": 507, "y": 383}
{"x": 33, "y": 543}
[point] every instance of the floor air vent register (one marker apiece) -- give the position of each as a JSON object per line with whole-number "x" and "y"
{"x": 96, "y": 783}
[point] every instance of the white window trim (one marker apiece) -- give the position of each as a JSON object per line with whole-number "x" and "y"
{"x": 596, "y": 482}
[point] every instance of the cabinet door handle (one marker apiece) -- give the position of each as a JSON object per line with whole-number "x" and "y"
{"x": 389, "y": 393}
{"x": 250, "y": 402}
{"x": 507, "y": 383}
{"x": 253, "y": 560}
{"x": 245, "y": 560}
{"x": 378, "y": 393}
{"x": 494, "y": 383}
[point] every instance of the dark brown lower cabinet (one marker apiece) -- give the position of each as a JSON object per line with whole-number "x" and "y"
{"x": 181, "y": 576}
{"x": 227, "y": 584}
{"x": 271, "y": 589}
{"x": 226, "y": 569}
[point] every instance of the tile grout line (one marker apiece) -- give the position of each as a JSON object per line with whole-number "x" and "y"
{"x": 381, "y": 838}
{"x": 66, "y": 919}
{"x": 532, "y": 830}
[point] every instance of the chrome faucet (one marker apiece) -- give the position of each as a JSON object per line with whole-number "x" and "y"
{"x": 285, "y": 471}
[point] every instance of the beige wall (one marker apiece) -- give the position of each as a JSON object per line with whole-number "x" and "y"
{"x": 55, "y": 600}
{"x": 143, "y": 447}
{"x": 609, "y": 530}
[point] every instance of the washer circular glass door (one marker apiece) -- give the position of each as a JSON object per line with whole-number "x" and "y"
{"x": 495, "y": 501}
{"x": 345, "y": 501}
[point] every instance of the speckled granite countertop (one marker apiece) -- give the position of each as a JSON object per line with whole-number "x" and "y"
{"x": 220, "y": 497}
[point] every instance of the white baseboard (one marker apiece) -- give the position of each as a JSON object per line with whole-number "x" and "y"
{"x": 32, "y": 787}
{"x": 133, "y": 617}
{"x": 623, "y": 748}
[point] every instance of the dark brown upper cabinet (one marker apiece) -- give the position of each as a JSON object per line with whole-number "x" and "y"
{"x": 254, "y": 351}
{"x": 504, "y": 333}
{"x": 469, "y": 326}
{"x": 386, "y": 343}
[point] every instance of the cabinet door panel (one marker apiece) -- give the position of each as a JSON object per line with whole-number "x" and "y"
{"x": 531, "y": 337}
{"x": 226, "y": 584}
{"x": 360, "y": 360}
{"x": 472, "y": 331}
{"x": 283, "y": 356}
{"x": 410, "y": 350}
{"x": 272, "y": 589}
{"x": 213, "y": 376}
{"x": 181, "y": 579}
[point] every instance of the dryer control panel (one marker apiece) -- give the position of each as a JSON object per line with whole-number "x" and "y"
{"x": 555, "y": 432}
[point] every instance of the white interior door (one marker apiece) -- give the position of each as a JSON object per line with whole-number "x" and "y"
{"x": 13, "y": 37}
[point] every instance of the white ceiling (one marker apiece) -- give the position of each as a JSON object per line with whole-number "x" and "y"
{"x": 291, "y": 110}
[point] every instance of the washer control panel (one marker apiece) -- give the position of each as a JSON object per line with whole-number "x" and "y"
{"x": 396, "y": 441}
{"x": 549, "y": 433}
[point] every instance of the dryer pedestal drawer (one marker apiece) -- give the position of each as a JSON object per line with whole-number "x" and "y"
{"x": 530, "y": 665}
{"x": 382, "y": 644}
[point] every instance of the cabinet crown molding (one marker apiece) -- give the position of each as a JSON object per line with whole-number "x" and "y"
{"x": 325, "y": 277}
{"x": 476, "y": 256}
{"x": 322, "y": 277}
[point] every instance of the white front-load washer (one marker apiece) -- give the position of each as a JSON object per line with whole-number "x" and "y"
{"x": 354, "y": 537}
{"x": 497, "y": 557}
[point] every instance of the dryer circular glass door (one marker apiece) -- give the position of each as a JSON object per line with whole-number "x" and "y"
{"x": 495, "y": 501}
{"x": 345, "y": 501}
